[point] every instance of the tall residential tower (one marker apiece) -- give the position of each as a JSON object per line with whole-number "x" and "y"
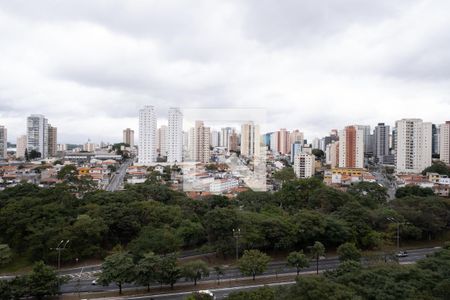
{"x": 413, "y": 146}
{"x": 175, "y": 136}
{"x": 147, "y": 135}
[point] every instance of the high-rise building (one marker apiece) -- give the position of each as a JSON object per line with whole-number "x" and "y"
{"x": 351, "y": 147}
{"x": 191, "y": 143}
{"x": 273, "y": 142}
{"x": 444, "y": 137}
{"x": 62, "y": 147}
{"x": 250, "y": 140}
{"x": 265, "y": 138}
{"x": 435, "y": 131}
{"x": 332, "y": 154}
{"x": 233, "y": 141}
{"x": 304, "y": 165}
{"x": 202, "y": 152}
{"x": 21, "y": 145}
{"x": 37, "y": 134}
{"x": 225, "y": 137}
{"x": 185, "y": 145}
{"x": 128, "y": 137}
{"x": 147, "y": 136}
{"x": 175, "y": 136}
{"x": 89, "y": 146}
{"x": 316, "y": 143}
{"x": 162, "y": 140}
{"x": 296, "y": 136}
{"x": 381, "y": 141}
{"x": 52, "y": 140}
{"x": 282, "y": 141}
{"x": 3, "y": 142}
{"x": 215, "y": 138}
{"x": 296, "y": 148}
{"x": 368, "y": 148}
{"x": 414, "y": 142}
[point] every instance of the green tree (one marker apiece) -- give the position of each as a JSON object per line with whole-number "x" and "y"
{"x": 437, "y": 167}
{"x": 167, "y": 270}
{"x": 369, "y": 194}
{"x": 5, "y": 254}
{"x": 253, "y": 263}
{"x": 348, "y": 251}
{"x": 413, "y": 190}
{"x": 219, "y": 270}
{"x": 161, "y": 241}
{"x": 298, "y": 260}
{"x": 146, "y": 269}
{"x": 34, "y": 154}
{"x": 117, "y": 268}
{"x": 264, "y": 293}
{"x": 317, "y": 250}
{"x": 42, "y": 281}
{"x": 318, "y": 153}
{"x": 285, "y": 174}
{"x": 195, "y": 270}
{"x": 312, "y": 288}
{"x": 68, "y": 173}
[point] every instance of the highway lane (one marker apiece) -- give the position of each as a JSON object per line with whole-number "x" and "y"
{"x": 85, "y": 285}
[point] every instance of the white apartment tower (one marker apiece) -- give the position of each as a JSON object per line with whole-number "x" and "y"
{"x": 351, "y": 147}
{"x": 304, "y": 165}
{"x": 21, "y": 145}
{"x": 3, "y": 142}
{"x": 147, "y": 136}
{"x": 215, "y": 138}
{"x": 444, "y": 139}
{"x": 414, "y": 142}
{"x": 225, "y": 137}
{"x": 250, "y": 140}
{"x": 175, "y": 136}
{"x": 37, "y": 134}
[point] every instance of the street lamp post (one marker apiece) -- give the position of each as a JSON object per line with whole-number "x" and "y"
{"x": 237, "y": 235}
{"x": 61, "y": 246}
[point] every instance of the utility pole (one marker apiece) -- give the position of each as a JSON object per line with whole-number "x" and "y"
{"x": 237, "y": 235}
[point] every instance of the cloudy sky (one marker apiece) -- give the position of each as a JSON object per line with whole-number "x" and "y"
{"x": 89, "y": 65}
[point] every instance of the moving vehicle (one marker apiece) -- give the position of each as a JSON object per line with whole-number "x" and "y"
{"x": 401, "y": 254}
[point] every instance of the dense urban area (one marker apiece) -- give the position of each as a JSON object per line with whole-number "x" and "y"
{"x": 358, "y": 214}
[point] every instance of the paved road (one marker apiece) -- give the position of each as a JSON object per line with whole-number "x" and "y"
{"x": 220, "y": 293}
{"x": 118, "y": 177}
{"x": 85, "y": 283}
{"x": 381, "y": 178}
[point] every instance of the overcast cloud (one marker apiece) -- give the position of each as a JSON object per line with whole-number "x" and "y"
{"x": 314, "y": 65}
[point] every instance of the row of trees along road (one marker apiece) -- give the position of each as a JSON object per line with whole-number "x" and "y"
{"x": 428, "y": 279}
{"x": 122, "y": 267}
{"x": 153, "y": 217}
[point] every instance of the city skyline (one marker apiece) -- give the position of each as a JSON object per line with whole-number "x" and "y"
{"x": 89, "y": 71}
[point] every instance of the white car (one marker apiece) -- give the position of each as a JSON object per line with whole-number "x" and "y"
{"x": 94, "y": 282}
{"x": 207, "y": 292}
{"x": 401, "y": 254}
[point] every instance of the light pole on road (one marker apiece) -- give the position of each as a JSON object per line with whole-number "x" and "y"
{"x": 237, "y": 235}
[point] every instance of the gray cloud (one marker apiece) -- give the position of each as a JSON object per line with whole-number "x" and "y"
{"x": 314, "y": 65}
